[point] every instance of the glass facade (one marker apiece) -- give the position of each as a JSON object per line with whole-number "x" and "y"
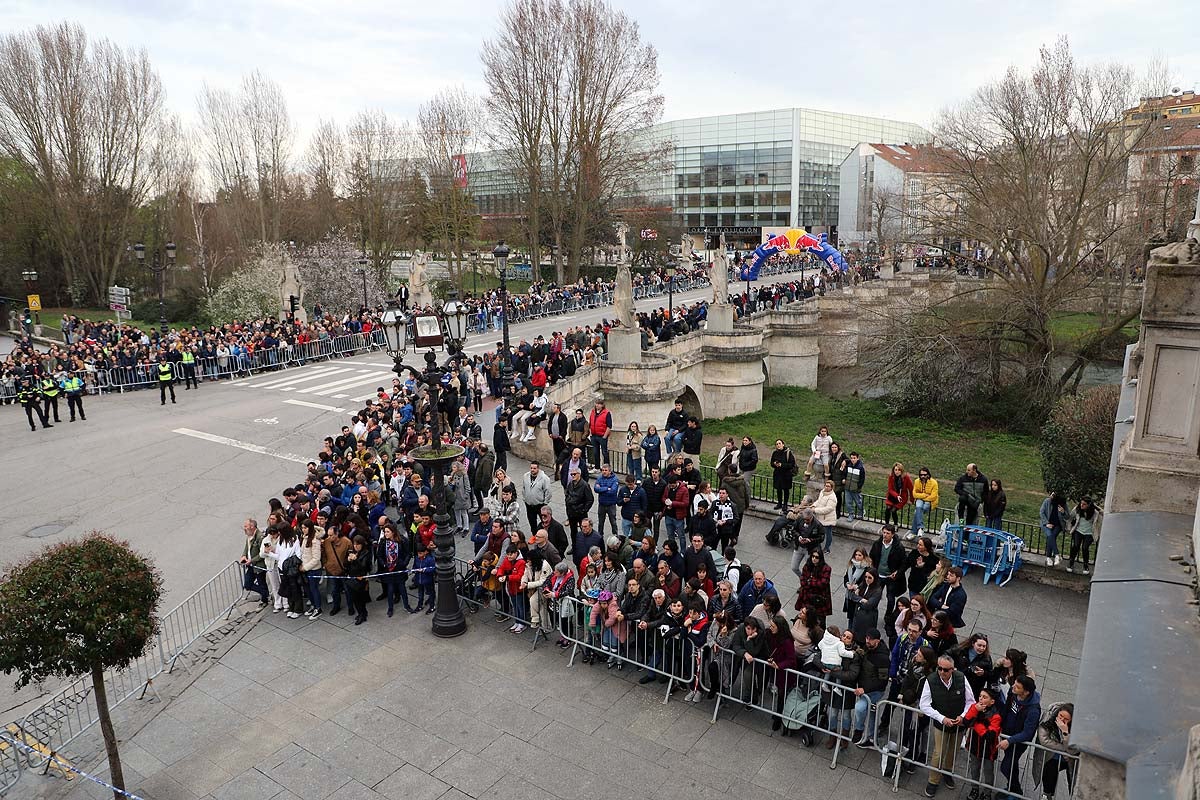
{"x": 762, "y": 169}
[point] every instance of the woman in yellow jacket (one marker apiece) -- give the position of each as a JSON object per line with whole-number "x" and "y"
{"x": 925, "y": 502}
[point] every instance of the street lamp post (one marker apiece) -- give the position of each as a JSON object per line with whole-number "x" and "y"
{"x": 671, "y": 293}
{"x": 448, "y": 619}
{"x": 158, "y": 266}
{"x": 500, "y": 253}
{"x": 362, "y": 271}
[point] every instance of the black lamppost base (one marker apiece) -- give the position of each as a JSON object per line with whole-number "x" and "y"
{"x": 448, "y": 618}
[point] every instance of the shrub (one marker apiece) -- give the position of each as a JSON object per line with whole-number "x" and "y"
{"x": 1076, "y": 443}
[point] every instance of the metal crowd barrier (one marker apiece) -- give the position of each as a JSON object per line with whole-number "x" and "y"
{"x": 619, "y": 644}
{"x": 473, "y": 598}
{"x": 806, "y": 704}
{"x": 71, "y": 711}
{"x": 909, "y": 737}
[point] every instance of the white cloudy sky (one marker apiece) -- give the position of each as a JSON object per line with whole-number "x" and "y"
{"x": 901, "y": 60}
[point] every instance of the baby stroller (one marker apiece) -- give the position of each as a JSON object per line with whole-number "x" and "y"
{"x": 802, "y": 706}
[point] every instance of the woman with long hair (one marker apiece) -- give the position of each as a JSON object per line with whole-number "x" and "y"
{"x": 914, "y": 609}
{"x": 633, "y": 451}
{"x": 899, "y": 494}
{"x": 358, "y": 566}
{"x": 783, "y": 472}
{"x": 866, "y": 600}
{"x": 922, "y": 560}
{"x": 994, "y": 503}
{"x": 815, "y": 591}
{"x": 856, "y": 567}
{"x": 1084, "y": 524}
{"x": 311, "y": 565}
{"x": 651, "y": 447}
{"x": 941, "y": 635}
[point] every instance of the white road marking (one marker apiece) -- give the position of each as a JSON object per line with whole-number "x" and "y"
{"x": 276, "y": 381}
{"x": 306, "y": 404}
{"x": 268, "y": 420}
{"x": 329, "y": 388}
{"x": 273, "y": 377}
{"x": 228, "y": 442}
{"x": 340, "y": 396}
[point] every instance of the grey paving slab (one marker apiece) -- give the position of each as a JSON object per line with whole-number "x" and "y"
{"x": 353, "y": 790}
{"x": 249, "y": 785}
{"x": 306, "y": 775}
{"x": 410, "y": 783}
{"x": 470, "y": 774}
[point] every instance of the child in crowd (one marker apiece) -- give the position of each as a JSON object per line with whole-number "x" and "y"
{"x": 832, "y": 649}
{"x": 423, "y": 566}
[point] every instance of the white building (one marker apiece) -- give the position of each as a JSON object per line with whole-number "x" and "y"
{"x": 882, "y": 188}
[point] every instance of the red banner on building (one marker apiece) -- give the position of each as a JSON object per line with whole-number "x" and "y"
{"x": 460, "y": 170}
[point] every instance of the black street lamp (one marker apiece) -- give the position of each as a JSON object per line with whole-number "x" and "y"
{"x": 159, "y": 267}
{"x": 448, "y": 619}
{"x": 500, "y": 253}
{"x": 362, "y": 271}
{"x": 670, "y": 293}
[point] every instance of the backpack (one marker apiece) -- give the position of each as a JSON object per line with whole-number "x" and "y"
{"x": 745, "y": 575}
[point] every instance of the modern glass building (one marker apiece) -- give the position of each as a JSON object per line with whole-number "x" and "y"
{"x": 742, "y": 173}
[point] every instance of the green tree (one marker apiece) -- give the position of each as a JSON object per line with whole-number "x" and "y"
{"x": 80, "y": 607}
{"x": 1076, "y": 443}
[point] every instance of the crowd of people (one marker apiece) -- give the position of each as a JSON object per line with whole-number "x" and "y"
{"x": 644, "y": 571}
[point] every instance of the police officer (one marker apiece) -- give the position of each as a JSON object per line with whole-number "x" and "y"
{"x": 166, "y": 382}
{"x": 50, "y": 397}
{"x": 189, "y": 370}
{"x": 28, "y": 396}
{"x": 72, "y": 385}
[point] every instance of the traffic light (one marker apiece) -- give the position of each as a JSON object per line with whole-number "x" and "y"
{"x": 293, "y": 303}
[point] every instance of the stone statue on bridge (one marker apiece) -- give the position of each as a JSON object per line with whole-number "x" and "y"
{"x": 718, "y": 274}
{"x": 623, "y": 297}
{"x": 420, "y": 293}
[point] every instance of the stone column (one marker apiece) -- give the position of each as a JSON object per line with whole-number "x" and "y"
{"x": 1159, "y": 464}
{"x": 733, "y": 372}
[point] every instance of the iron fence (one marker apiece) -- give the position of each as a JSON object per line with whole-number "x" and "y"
{"x": 762, "y": 489}
{"x": 71, "y": 711}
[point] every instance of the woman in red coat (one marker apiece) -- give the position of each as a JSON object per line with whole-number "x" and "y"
{"x": 899, "y": 494}
{"x": 814, "y": 586}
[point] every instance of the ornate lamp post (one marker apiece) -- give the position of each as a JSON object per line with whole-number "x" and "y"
{"x": 500, "y": 253}
{"x": 448, "y": 619}
{"x": 159, "y": 267}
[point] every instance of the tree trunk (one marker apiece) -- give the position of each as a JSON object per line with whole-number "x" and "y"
{"x": 106, "y": 728}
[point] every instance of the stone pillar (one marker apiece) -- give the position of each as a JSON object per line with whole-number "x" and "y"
{"x": 838, "y": 325}
{"x": 792, "y": 340}
{"x": 624, "y": 347}
{"x": 1159, "y": 464}
{"x": 733, "y": 372}
{"x": 720, "y": 318}
{"x": 644, "y": 391}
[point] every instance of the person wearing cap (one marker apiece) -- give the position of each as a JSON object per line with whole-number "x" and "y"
{"x": 872, "y": 683}
{"x": 72, "y": 385}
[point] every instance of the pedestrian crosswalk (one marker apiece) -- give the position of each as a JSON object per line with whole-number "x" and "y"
{"x": 347, "y": 381}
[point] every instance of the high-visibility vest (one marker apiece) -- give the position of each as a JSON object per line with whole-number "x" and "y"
{"x": 73, "y": 385}
{"x": 189, "y": 358}
{"x": 164, "y": 372}
{"x": 49, "y": 388}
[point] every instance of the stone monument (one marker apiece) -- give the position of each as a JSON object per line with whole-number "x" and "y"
{"x": 685, "y": 250}
{"x": 625, "y": 342}
{"x": 1159, "y": 464}
{"x": 420, "y": 293}
{"x": 291, "y": 286}
{"x": 720, "y": 312}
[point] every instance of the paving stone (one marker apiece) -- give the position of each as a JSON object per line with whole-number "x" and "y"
{"x": 470, "y": 774}
{"x": 307, "y": 776}
{"x": 250, "y": 785}
{"x": 410, "y": 783}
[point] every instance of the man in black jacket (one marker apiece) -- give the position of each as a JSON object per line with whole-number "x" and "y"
{"x": 655, "y": 486}
{"x": 872, "y": 683}
{"x": 676, "y": 423}
{"x": 556, "y": 428}
{"x": 891, "y": 561}
{"x": 697, "y": 554}
{"x": 554, "y": 529}
{"x": 579, "y": 499}
{"x": 500, "y": 442}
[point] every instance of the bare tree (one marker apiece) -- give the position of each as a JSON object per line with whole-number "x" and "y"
{"x": 379, "y": 163}
{"x": 81, "y": 118}
{"x": 1034, "y": 170}
{"x": 249, "y": 137}
{"x": 326, "y": 159}
{"x": 572, "y": 89}
{"x": 447, "y": 128}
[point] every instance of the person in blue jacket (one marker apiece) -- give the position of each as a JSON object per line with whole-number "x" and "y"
{"x": 754, "y": 591}
{"x": 1022, "y": 713}
{"x": 607, "y": 489}
{"x": 423, "y": 566}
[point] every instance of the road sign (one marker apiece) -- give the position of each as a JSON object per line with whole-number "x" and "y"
{"x": 118, "y": 294}
{"x": 117, "y": 307}
{"x": 34, "y": 301}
